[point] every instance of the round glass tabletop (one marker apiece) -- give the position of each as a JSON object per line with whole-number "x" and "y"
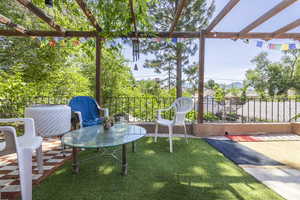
{"x": 96, "y": 136}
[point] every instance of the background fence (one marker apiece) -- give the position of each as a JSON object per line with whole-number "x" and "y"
{"x": 144, "y": 109}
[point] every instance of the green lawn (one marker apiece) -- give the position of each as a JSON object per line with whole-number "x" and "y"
{"x": 193, "y": 171}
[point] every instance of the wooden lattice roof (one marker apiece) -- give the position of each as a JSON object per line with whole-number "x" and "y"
{"x": 59, "y": 31}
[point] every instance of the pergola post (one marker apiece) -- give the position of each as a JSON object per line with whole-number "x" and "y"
{"x": 98, "y": 92}
{"x": 201, "y": 77}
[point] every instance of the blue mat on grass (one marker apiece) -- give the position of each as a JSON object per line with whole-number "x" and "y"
{"x": 240, "y": 154}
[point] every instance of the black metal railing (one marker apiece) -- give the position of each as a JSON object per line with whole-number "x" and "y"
{"x": 144, "y": 109}
{"x": 234, "y": 109}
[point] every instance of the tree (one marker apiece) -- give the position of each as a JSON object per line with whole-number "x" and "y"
{"x": 192, "y": 76}
{"x": 211, "y": 84}
{"x": 275, "y": 78}
{"x": 178, "y": 52}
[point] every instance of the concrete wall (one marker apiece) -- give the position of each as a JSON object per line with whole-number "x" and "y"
{"x": 295, "y": 126}
{"x": 150, "y": 127}
{"x": 214, "y": 129}
{"x": 241, "y": 128}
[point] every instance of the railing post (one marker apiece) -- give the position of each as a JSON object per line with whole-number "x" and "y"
{"x": 201, "y": 77}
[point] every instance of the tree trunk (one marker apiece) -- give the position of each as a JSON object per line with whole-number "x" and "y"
{"x": 178, "y": 72}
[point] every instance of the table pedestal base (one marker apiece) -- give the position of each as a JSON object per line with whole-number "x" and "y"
{"x": 124, "y": 161}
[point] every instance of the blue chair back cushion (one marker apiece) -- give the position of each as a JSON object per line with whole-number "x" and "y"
{"x": 88, "y": 108}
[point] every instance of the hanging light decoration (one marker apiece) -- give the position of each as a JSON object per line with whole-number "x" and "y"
{"x": 49, "y": 3}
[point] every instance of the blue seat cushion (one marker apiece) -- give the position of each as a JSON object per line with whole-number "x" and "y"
{"x": 88, "y": 108}
{"x": 97, "y": 121}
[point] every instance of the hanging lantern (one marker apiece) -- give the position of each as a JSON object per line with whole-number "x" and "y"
{"x": 136, "y": 67}
{"x": 49, "y": 3}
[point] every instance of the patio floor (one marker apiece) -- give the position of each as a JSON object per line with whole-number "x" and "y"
{"x": 9, "y": 174}
{"x": 154, "y": 173}
{"x": 193, "y": 171}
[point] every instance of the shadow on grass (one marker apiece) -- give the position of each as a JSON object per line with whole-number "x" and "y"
{"x": 193, "y": 171}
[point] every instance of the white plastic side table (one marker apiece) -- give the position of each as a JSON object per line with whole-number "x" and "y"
{"x": 50, "y": 119}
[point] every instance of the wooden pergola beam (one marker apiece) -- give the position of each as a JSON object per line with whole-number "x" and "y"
{"x": 40, "y": 13}
{"x": 180, "y": 6}
{"x": 133, "y": 17}
{"x": 229, "y": 6}
{"x": 200, "y": 116}
{"x": 287, "y": 28}
{"x": 89, "y": 15}
{"x": 48, "y": 33}
{"x": 98, "y": 92}
{"x": 213, "y": 35}
{"x": 275, "y": 10}
{"x": 9, "y": 23}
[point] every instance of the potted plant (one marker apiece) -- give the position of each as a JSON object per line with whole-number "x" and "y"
{"x": 108, "y": 123}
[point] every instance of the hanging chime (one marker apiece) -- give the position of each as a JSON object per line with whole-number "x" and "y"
{"x": 135, "y": 51}
{"x": 49, "y": 3}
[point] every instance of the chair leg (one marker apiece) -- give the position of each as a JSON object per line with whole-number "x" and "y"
{"x": 39, "y": 159}
{"x": 62, "y": 147}
{"x": 25, "y": 172}
{"x": 185, "y": 134}
{"x": 156, "y": 132}
{"x": 170, "y": 138}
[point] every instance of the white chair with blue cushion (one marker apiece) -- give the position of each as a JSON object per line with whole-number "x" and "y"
{"x": 88, "y": 110}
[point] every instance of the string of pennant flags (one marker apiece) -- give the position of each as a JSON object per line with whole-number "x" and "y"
{"x": 62, "y": 42}
{"x": 276, "y": 46}
{"x": 59, "y": 41}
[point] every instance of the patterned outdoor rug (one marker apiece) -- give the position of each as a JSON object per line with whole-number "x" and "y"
{"x": 265, "y": 137}
{"x": 9, "y": 174}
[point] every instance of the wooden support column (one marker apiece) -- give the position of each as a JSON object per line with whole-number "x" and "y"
{"x": 98, "y": 92}
{"x": 201, "y": 77}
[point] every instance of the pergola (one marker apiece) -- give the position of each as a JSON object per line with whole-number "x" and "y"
{"x": 18, "y": 30}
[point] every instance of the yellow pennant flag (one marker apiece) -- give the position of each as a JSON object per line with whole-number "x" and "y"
{"x": 284, "y": 47}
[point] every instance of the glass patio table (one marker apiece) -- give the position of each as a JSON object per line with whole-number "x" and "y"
{"x": 95, "y": 137}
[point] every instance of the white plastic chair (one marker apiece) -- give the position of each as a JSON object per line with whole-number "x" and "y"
{"x": 24, "y": 147}
{"x": 182, "y": 106}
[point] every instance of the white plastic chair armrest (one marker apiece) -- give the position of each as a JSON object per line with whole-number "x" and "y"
{"x": 10, "y": 140}
{"x": 28, "y": 123}
{"x": 79, "y": 116}
{"x": 162, "y": 110}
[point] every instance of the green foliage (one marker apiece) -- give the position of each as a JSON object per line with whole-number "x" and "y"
{"x": 192, "y": 77}
{"x": 275, "y": 78}
{"x": 219, "y": 94}
{"x": 210, "y": 117}
{"x": 211, "y": 84}
{"x": 172, "y": 57}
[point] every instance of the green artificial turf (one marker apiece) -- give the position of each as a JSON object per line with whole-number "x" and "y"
{"x": 193, "y": 171}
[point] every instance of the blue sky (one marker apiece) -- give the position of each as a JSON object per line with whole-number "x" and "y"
{"x": 227, "y": 60}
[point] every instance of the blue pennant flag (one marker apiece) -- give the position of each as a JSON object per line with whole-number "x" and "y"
{"x": 292, "y": 46}
{"x": 174, "y": 40}
{"x": 259, "y": 43}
